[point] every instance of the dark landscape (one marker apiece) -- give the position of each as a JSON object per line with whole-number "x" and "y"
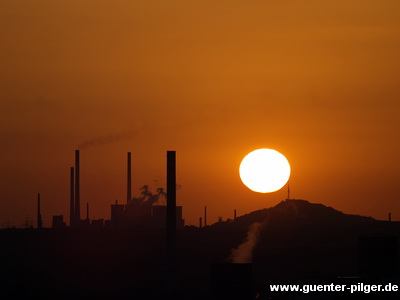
{"x": 297, "y": 241}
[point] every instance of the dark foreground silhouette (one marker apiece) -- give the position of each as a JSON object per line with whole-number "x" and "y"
{"x": 296, "y": 241}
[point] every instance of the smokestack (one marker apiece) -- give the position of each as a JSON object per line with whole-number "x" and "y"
{"x": 201, "y": 222}
{"x": 171, "y": 220}
{"x": 39, "y": 216}
{"x": 87, "y": 211}
{"x": 77, "y": 215}
{"x": 129, "y": 185}
{"x": 234, "y": 214}
{"x": 205, "y": 215}
{"x": 72, "y": 199}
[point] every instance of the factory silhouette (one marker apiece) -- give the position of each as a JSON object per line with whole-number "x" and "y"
{"x": 145, "y": 251}
{"x": 146, "y": 211}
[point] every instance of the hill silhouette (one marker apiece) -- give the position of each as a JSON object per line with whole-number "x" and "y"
{"x": 296, "y": 240}
{"x": 298, "y": 211}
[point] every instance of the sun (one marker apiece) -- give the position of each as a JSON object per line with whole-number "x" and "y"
{"x": 264, "y": 170}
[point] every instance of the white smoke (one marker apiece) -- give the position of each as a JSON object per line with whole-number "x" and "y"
{"x": 244, "y": 252}
{"x": 148, "y": 198}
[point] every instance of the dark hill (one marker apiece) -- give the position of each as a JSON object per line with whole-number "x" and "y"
{"x": 294, "y": 213}
{"x": 296, "y": 210}
{"x": 296, "y": 239}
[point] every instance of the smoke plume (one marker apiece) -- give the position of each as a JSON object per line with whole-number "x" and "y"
{"x": 148, "y": 198}
{"x": 106, "y": 139}
{"x": 244, "y": 252}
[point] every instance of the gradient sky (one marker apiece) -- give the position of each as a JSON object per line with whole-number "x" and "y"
{"x": 211, "y": 79}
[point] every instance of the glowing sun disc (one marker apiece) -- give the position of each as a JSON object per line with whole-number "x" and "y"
{"x": 264, "y": 170}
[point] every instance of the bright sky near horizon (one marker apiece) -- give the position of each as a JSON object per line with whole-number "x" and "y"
{"x": 213, "y": 80}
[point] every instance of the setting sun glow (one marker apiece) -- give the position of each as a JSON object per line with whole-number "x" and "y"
{"x": 264, "y": 170}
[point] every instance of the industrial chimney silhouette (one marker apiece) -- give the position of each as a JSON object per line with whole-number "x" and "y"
{"x": 72, "y": 198}
{"x": 77, "y": 214}
{"x": 171, "y": 220}
{"x": 39, "y": 216}
{"x": 129, "y": 177}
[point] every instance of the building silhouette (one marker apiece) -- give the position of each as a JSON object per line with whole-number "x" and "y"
{"x": 142, "y": 215}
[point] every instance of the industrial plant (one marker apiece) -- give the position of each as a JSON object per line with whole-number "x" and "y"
{"x": 148, "y": 211}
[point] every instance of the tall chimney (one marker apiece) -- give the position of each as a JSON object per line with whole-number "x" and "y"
{"x": 171, "y": 220}
{"x": 205, "y": 215}
{"x": 72, "y": 199}
{"x": 129, "y": 185}
{"x": 200, "y": 222}
{"x": 77, "y": 216}
{"x": 39, "y": 216}
{"x": 234, "y": 214}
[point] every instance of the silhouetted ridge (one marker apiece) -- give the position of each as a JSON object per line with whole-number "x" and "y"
{"x": 305, "y": 208}
{"x": 296, "y": 211}
{"x": 302, "y": 210}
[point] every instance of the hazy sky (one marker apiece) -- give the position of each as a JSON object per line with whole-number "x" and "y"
{"x": 211, "y": 79}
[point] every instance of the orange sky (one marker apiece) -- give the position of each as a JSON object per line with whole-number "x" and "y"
{"x": 213, "y": 80}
